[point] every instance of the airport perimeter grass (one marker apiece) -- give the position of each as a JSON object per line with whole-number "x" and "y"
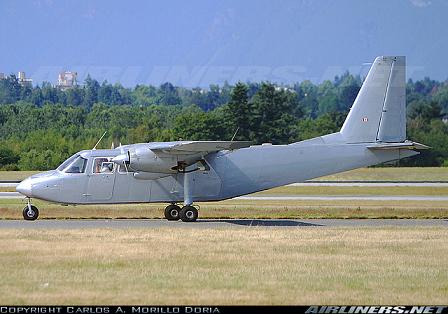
{"x": 363, "y": 174}
{"x": 251, "y": 265}
{"x": 391, "y": 174}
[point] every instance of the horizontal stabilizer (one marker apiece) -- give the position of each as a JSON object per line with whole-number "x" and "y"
{"x": 404, "y": 145}
{"x": 183, "y": 147}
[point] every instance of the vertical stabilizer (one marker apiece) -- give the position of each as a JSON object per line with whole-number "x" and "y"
{"x": 379, "y": 111}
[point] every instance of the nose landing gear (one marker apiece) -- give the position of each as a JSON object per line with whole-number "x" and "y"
{"x": 30, "y": 212}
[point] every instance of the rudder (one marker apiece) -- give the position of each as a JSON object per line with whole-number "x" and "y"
{"x": 378, "y": 113}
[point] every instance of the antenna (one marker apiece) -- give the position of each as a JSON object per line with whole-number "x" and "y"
{"x": 94, "y": 147}
{"x": 233, "y": 137}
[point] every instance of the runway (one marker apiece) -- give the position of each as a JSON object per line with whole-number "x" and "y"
{"x": 217, "y": 223}
{"x": 11, "y": 195}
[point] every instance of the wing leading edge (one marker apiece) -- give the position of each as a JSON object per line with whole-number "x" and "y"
{"x": 193, "y": 147}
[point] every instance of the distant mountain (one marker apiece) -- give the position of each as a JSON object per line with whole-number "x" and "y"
{"x": 197, "y": 43}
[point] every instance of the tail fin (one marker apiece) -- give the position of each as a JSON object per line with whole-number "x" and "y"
{"x": 379, "y": 111}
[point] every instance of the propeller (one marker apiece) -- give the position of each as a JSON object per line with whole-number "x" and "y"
{"x": 123, "y": 159}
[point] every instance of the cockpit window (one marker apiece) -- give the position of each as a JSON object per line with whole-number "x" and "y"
{"x": 67, "y": 162}
{"x": 78, "y": 165}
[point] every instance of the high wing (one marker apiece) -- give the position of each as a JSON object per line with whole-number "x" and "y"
{"x": 195, "y": 147}
{"x": 169, "y": 157}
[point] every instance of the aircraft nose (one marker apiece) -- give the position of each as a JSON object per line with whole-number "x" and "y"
{"x": 24, "y": 188}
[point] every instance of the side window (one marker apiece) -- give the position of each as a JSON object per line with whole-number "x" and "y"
{"x": 103, "y": 165}
{"x": 122, "y": 169}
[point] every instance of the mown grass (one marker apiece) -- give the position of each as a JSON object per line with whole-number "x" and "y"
{"x": 363, "y": 174}
{"x": 255, "y": 265}
{"x": 15, "y": 175}
{"x": 357, "y": 190}
{"x": 391, "y": 174}
{"x": 7, "y": 189}
{"x": 12, "y": 209}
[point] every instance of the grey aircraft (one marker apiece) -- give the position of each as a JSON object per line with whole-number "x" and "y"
{"x": 200, "y": 171}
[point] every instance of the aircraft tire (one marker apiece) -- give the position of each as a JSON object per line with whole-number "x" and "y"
{"x": 30, "y": 214}
{"x": 189, "y": 214}
{"x": 172, "y": 212}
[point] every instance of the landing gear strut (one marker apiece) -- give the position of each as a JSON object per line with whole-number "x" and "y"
{"x": 30, "y": 212}
{"x": 188, "y": 213}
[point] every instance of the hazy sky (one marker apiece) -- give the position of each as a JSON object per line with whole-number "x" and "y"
{"x": 195, "y": 43}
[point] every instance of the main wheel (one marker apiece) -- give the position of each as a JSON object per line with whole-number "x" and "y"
{"x": 188, "y": 214}
{"x": 30, "y": 213}
{"x": 172, "y": 212}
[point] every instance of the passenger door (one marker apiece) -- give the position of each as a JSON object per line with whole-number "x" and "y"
{"x": 101, "y": 180}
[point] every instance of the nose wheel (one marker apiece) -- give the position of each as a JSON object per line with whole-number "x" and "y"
{"x": 30, "y": 212}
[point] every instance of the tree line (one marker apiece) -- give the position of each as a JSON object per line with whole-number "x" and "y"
{"x": 41, "y": 126}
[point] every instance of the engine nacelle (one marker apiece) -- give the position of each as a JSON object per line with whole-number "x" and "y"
{"x": 142, "y": 159}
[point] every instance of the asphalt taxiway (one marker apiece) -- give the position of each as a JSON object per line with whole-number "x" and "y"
{"x": 217, "y": 223}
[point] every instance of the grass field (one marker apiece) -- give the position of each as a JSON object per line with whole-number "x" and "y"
{"x": 255, "y": 265}
{"x": 391, "y": 174}
{"x": 250, "y": 265}
{"x": 363, "y": 174}
{"x": 15, "y": 175}
{"x": 357, "y": 190}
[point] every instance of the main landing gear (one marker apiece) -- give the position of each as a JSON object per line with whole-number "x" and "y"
{"x": 30, "y": 212}
{"x": 187, "y": 213}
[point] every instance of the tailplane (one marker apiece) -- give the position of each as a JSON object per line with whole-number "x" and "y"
{"x": 379, "y": 111}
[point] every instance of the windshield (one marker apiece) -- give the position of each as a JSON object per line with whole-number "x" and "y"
{"x": 75, "y": 164}
{"x": 67, "y": 162}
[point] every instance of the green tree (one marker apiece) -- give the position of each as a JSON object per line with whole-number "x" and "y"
{"x": 239, "y": 113}
{"x": 10, "y": 90}
{"x": 91, "y": 89}
{"x": 327, "y": 98}
{"x": 8, "y": 158}
{"x": 273, "y": 119}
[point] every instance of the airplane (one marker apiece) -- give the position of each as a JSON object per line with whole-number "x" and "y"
{"x": 202, "y": 171}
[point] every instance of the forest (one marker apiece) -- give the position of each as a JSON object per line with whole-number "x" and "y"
{"x": 40, "y": 126}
